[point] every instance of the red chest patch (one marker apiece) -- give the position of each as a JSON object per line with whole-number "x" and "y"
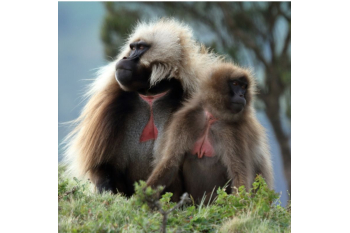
{"x": 150, "y": 131}
{"x": 203, "y": 147}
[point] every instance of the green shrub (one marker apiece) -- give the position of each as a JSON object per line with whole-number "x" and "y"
{"x": 80, "y": 209}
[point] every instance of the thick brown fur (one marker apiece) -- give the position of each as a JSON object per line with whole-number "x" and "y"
{"x": 109, "y": 127}
{"x": 239, "y": 140}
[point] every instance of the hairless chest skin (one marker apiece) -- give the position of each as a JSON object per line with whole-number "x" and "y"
{"x": 150, "y": 131}
{"x": 203, "y": 146}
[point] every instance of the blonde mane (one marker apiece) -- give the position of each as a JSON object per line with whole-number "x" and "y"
{"x": 173, "y": 53}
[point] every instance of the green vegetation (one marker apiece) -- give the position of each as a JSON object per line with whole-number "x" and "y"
{"x": 82, "y": 210}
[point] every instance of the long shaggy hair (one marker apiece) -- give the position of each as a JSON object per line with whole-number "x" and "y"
{"x": 173, "y": 53}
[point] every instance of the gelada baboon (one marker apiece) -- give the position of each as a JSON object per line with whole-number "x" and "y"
{"x": 215, "y": 138}
{"x": 130, "y": 102}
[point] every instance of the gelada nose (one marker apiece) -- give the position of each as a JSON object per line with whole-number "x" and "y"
{"x": 124, "y": 76}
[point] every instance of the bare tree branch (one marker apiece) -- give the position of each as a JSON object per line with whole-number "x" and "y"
{"x": 68, "y": 192}
{"x": 281, "y": 12}
{"x": 154, "y": 203}
{"x": 241, "y": 35}
{"x": 286, "y": 43}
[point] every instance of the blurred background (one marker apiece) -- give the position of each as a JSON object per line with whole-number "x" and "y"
{"x": 253, "y": 34}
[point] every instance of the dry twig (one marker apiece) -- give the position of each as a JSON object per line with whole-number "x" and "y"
{"x": 68, "y": 192}
{"x": 154, "y": 203}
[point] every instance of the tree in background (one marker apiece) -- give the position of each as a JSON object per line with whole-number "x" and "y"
{"x": 257, "y": 31}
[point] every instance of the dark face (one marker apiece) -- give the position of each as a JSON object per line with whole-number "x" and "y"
{"x": 129, "y": 73}
{"x": 238, "y": 89}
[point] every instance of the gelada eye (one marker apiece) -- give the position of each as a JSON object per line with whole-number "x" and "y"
{"x": 235, "y": 83}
